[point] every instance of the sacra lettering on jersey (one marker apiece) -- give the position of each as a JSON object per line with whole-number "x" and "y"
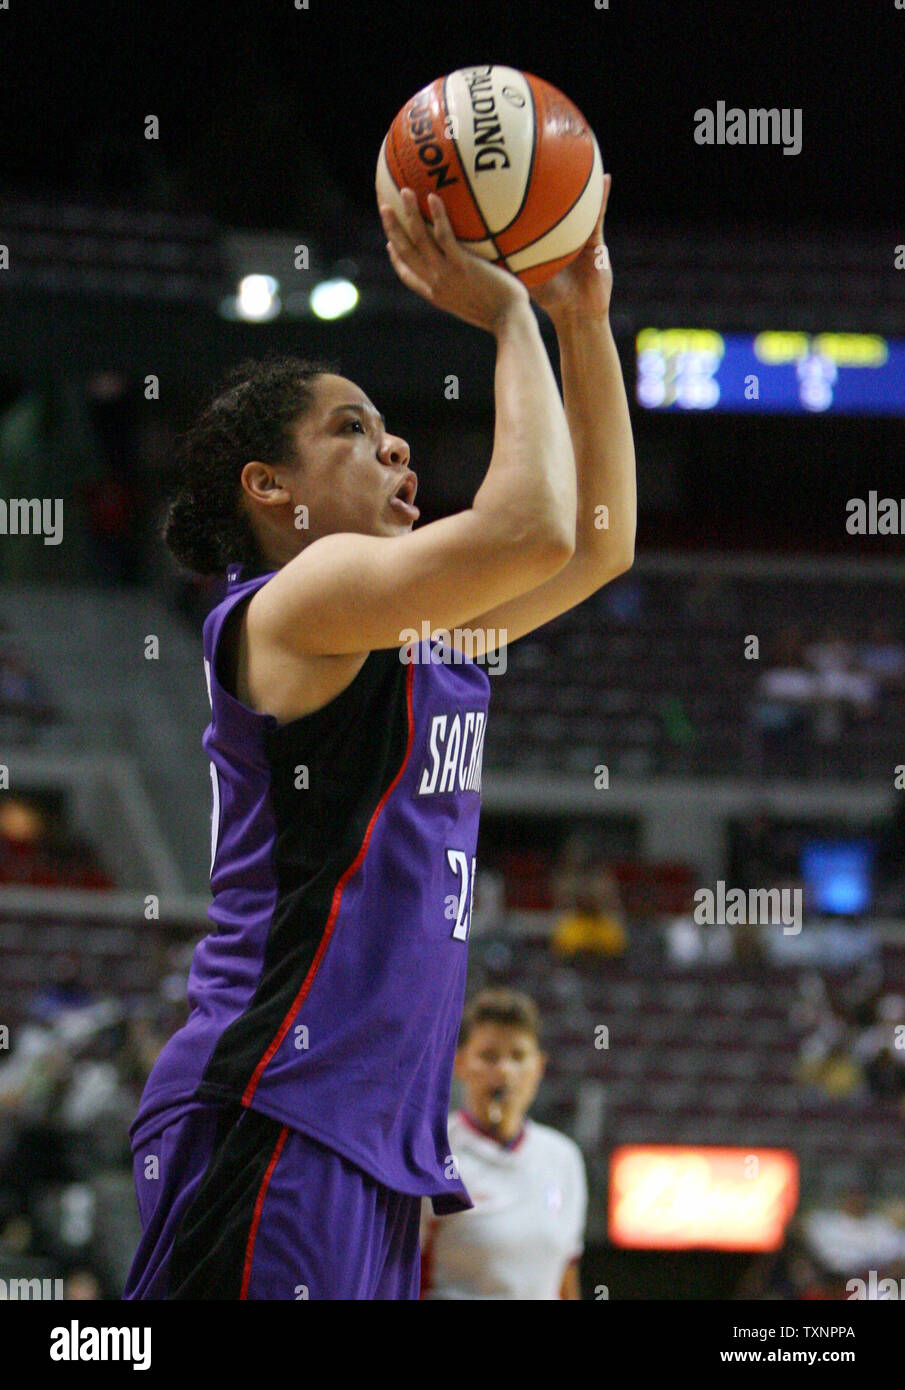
{"x": 457, "y": 753}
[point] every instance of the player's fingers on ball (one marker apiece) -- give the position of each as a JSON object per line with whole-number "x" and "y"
{"x": 409, "y": 234}
{"x": 395, "y": 229}
{"x": 415, "y": 225}
{"x": 426, "y": 255}
{"x": 420, "y": 259}
{"x": 442, "y": 227}
{"x": 435, "y": 247}
{"x": 407, "y": 275}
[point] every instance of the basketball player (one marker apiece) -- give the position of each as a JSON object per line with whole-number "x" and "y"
{"x": 290, "y": 1129}
{"x": 525, "y": 1234}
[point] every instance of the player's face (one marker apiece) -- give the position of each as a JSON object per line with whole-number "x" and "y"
{"x": 500, "y": 1067}
{"x": 352, "y": 469}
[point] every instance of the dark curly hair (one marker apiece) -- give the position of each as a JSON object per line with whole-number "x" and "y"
{"x": 248, "y": 418}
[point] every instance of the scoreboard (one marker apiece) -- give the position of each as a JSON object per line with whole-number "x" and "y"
{"x": 682, "y": 369}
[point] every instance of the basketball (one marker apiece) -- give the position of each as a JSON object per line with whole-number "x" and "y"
{"x": 515, "y": 162}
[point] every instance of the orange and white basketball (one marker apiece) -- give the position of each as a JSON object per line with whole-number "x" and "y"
{"x": 515, "y": 162}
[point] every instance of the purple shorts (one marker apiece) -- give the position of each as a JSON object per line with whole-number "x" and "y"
{"x": 234, "y": 1204}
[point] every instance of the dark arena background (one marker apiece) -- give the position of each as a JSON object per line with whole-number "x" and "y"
{"x": 725, "y": 719}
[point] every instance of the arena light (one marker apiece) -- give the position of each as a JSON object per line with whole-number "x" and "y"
{"x": 665, "y": 1197}
{"x": 258, "y": 299}
{"x": 331, "y": 299}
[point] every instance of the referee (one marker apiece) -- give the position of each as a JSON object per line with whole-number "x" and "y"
{"x": 525, "y": 1234}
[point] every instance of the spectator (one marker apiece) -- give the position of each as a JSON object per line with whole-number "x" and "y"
{"x": 886, "y": 1076}
{"x": 829, "y": 1068}
{"x": 831, "y": 652}
{"x": 851, "y": 1238}
{"x": 36, "y": 847}
{"x": 842, "y": 693}
{"x": 688, "y": 943}
{"x": 811, "y": 1003}
{"x": 783, "y": 702}
{"x": 884, "y": 1029}
{"x": 81, "y": 1285}
{"x": 593, "y": 920}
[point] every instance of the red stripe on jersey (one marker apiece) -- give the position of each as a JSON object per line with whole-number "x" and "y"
{"x": 335, "y": 905}
{"x": 259, "y": 1206}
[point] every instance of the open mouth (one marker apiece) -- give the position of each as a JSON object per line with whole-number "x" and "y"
{"x": 495, "y": 1105}
{"x": 403, "y": 499}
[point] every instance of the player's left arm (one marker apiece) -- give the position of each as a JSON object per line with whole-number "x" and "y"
{"x": 596, "y": 407}
{"x": 571, "y": 1285}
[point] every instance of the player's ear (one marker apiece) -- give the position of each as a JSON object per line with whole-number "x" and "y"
{"x": 459, "y": 1064}
{"x": 542, "y": 1060}
{"x": 259, "y": 482}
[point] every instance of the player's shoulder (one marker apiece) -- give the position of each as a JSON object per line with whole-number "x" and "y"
{"x": 232, "y": 601}
{"x": 554, "y": 1143}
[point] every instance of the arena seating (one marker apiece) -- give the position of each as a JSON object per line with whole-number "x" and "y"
{"x": 649, "y": 676}
{"x": 150, "y": 710}
{"x": 106, "y": 958}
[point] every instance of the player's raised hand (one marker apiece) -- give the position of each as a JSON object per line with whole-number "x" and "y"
{"x": 583, "y": 288}
{"x": 429, "y": 260}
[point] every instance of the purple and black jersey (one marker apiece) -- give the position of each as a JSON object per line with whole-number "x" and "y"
{"x": 329, "y": 994}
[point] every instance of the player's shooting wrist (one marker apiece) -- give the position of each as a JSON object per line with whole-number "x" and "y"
{"x": 572, "y": 320}
{"x": 514, "y": 322}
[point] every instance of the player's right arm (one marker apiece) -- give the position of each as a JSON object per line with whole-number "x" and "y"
{"x": 348, "y": 593}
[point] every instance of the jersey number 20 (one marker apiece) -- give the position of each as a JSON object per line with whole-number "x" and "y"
{"x": 458, "y": 862}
